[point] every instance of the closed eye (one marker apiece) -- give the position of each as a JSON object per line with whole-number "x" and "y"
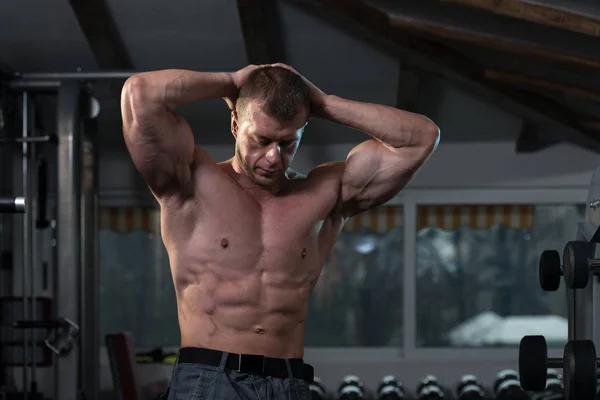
{"x": 263, "y": 141}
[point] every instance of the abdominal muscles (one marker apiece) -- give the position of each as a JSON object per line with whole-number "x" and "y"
{"x": 247, "y": 303}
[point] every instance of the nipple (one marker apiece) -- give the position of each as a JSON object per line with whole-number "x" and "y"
{"x": 304, "y": 252}
{"x": 224, "y": 243}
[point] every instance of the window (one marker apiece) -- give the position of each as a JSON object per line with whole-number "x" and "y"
{"x": 477, "y": 273}
{"x": 358, "y": 298}
{"x": 356, "y": 302}
{"x": 136, "y": 289}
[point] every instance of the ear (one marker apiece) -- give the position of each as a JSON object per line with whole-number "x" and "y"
{"x": 234, "y": 123}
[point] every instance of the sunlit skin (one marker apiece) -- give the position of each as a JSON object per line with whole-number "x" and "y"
{"x": 247, "y": 238}
{"x": 250, "y": 293}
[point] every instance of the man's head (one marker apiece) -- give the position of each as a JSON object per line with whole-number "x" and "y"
{"x": 271, "y": 112}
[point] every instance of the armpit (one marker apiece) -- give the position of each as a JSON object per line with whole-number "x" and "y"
{"x": 293, "y": 174}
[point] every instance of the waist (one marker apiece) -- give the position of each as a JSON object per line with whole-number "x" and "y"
{"x": 217, "y": 333}
{"x": 248, "y": 363}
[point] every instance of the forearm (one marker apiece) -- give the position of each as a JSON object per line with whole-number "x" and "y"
{"x": 174, "y": 88}
{"x": 391, "y": 126}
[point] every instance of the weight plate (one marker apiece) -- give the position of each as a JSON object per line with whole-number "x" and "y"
{"x": 549, "y": 270}
{"x": 575, "y": 264}
{"x": 533, "y": 355}
{"x": 503, "y": 376}
{"x": 579, "y": 369}
{"x": 465, "y": 381}
{"x": 429, "y": 380}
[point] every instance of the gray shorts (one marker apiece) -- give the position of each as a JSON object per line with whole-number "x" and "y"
{"x": 191, "y": 381}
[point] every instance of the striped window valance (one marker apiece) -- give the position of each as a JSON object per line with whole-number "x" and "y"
{"x": 129, "y": 219}
{"x": 475, "y": 216}
{"x": 382, "y": 219}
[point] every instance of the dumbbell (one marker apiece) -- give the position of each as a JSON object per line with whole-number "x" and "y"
{"x": 555, "y": 385}
{"x": 554, "y": 388}
{"x": 577, "y": 265}
{"x": 579, "y": 364}
{"x": 575, "y": 269}
{"x": 317, "y": 389}
{"x": 13, "y": 205}
{"x": 508, "y": 387}
{"x": 469, "y": 388}
{"x": 390, "y": 388}
{"x": 550, "y": 270}
{"x": 429, "y": 388}
{"x": 351, "y": 388}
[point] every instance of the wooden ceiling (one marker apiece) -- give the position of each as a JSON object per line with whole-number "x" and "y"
{"x": 447, "y": 36}
{"x": 537, "y": 59}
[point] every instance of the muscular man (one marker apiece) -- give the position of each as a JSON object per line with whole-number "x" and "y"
{"x": 247, "y": 237}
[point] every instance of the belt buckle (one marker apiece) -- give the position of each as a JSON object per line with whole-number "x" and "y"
{"x": 251, "y": 363}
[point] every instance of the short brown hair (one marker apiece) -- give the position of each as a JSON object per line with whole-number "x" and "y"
{"x": 281, "y": 93}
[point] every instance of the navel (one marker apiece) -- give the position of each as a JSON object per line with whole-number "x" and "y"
{"x": 259, "y": 330}
{"x": 304, "y": 252}
{"x": 224, "y": 243}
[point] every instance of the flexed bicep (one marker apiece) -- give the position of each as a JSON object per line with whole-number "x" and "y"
{"x": 375, "y": 173}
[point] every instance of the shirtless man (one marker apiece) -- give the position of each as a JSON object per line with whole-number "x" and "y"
{"x": 247, "y": 237}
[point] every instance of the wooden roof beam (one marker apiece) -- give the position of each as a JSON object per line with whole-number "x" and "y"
{"x": 261, "y": 27}
{"x": 489, "y": 41}
{"x": 369, "y": 23}
{"x": 517, "y": 79}
{"x": 538, "y": 13}
{"x": 102, "y": 35}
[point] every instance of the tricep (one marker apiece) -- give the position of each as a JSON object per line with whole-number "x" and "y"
{"x": 161, "y": 143}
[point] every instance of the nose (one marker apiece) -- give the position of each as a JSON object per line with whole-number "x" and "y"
{"x": 273, "y": 155}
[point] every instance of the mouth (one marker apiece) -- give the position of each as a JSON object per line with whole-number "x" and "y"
{"x": 263, "y": 171}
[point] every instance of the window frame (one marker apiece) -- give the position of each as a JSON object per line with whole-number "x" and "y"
{"x": 411, "y": 200}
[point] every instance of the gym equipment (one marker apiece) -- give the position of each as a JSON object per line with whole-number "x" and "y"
{"x": 577, "y": 265}
{"x": 62, "y": 333}
{"x": 550, "y": 270}
{"x": 429, "y": 388}
{"x": 579, "y": 364}
{"x": 11, "y": 306}
{"x": 508, "y": 387}
{"x": 554, "y": 388}
{"x": 13, "y": 205}
{"x": 119, "y": 347}
{"x": 42, "y": 221}
{"x": 469, "y": 388}
{"x": 117, "y": 75}
{"x": 554, "y": 385}
{"x": 580, "y": 369}
{"x": 317, "y": 389}
{"x": 575, "y": 269}
{"x": 351, "y": 388}
{"x": 30, "y": 139}
{"x": 390, "y": 388}
{"x": 534, "y": 362}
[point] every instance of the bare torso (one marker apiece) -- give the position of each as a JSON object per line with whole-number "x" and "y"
{"x": 243, "y": 264}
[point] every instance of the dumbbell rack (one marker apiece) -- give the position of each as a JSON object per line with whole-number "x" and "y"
{"x": 580, "y": 265}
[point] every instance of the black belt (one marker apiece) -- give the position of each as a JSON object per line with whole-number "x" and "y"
{"x": 248, "y": 363}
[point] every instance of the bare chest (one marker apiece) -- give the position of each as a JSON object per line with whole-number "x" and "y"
{"x": 234, "y": 234}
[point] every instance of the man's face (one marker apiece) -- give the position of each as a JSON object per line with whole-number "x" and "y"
{"x": 264, "y": 146}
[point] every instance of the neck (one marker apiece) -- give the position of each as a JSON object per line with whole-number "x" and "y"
{"x": 248, "y": 183}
